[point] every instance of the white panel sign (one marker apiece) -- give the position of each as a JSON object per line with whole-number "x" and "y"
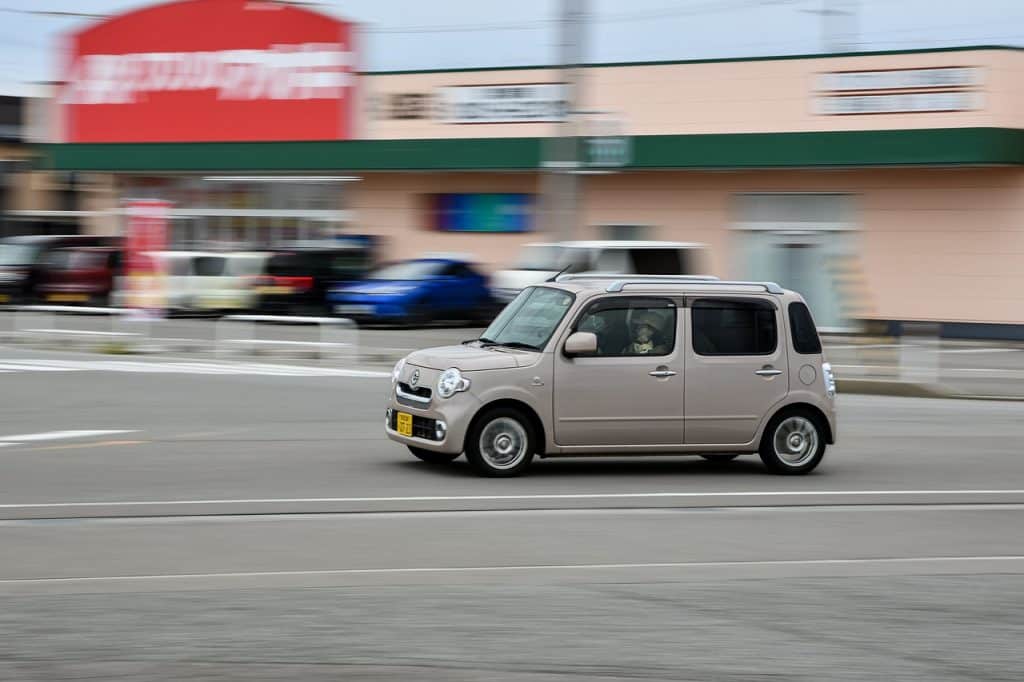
{"x": 902, "y": 79}
{"x": 504, "y": 103}
{"x": 899, "y": 103}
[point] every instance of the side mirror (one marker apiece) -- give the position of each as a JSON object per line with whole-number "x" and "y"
{"x": 581, "y": 343}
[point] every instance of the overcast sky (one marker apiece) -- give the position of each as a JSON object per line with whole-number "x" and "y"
{"x": 415, "y": 34}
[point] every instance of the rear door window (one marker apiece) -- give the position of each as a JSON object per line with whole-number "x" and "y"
{"x": 733, "y": 327}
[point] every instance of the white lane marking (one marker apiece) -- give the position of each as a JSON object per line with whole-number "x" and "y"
{"x": 508, "y": 498}
{"x": 217, "y": 368}
{"x": 60, "y": 435}
{"x": 10, "y": 366}
{"x": 536, "y": 567}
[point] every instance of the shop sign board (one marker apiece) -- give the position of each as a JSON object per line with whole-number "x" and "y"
{"x": 210, "y": 70}
{"x": 900, "y": 103}
{"x": 899, "y": 91}
{"x": 525, "y": 103}
{"x": 901, "y": 79}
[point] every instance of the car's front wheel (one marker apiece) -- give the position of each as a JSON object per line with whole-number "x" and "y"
{"x": 793, "y": 443}
{"x": 432, "y": 457}
{"x": 501, "y": 443}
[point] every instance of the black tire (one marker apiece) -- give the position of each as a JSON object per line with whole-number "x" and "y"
{"x": 431, "y": 457}
{"x": 800, "y": 455}
{"x": 493, "y": 425}
{"x": 720, "y": 458}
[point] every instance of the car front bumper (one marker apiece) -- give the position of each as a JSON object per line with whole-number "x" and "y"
{"x": 456, "y": 413}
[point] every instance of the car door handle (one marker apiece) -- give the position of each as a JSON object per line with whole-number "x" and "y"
{"x": 768, "y": 372}
{"x": 662, "y": 373}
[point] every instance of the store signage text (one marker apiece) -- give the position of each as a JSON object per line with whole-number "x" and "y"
{"x": 532, "y": 103}
{"x": 505, "y": 103}
{"x": 285, "y": 72}
{"x": 901, "y": 79}
{"x": 210, "y": 71}
{"x": 917, "y": 91}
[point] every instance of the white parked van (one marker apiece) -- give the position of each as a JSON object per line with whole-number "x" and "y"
{"x": 540, "y": 261}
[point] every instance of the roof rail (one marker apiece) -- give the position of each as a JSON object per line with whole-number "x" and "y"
{"x": 623, "y": 282}
{"x": 645, "y": 278}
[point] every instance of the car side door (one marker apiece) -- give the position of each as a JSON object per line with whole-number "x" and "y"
{"x": 737, "y": 367}
{"x": 630, "y": 392}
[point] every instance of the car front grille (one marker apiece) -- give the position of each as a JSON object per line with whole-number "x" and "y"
{"x": 419, "y": 391}
{"x": 422, "y": 427}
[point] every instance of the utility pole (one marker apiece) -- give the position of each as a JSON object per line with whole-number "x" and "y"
{"x": 839, "y": 24}
{"x": 560, "y": 177}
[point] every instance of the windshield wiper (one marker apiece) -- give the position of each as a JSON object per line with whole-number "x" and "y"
{"x": 508, "y": 344}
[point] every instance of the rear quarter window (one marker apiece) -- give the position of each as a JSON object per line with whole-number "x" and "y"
{"x": 801, "y": 326}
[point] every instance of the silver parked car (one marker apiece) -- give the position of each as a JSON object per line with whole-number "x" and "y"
{"x": 630, "y": 365}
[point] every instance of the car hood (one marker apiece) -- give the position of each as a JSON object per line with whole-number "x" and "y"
{"x": 470, "y": 358}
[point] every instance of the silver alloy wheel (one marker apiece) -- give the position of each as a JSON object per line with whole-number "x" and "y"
{"x": 503, "y": 443}
{"x": 795, "y": 441}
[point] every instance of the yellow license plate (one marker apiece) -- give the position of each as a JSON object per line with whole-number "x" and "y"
{"x": 4, "y": 298}
{"x": 404, "y": 424}
{"x": 274, "y": 290}
{"x": 67, "y": 298}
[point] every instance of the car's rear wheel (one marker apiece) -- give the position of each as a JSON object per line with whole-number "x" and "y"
{"x": 501, "y": 443}
{"x": 793, "y": 443}
{"x": 432, "y": 457}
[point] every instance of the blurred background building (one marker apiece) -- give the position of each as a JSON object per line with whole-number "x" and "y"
{"x": 886, "y": 186}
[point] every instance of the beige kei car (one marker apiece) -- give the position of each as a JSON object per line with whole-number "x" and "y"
{"x": 624, "y": 365}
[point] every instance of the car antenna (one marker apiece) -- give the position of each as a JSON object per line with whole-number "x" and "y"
{"x": 554, "y": 277}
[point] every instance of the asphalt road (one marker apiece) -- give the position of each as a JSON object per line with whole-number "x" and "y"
{"x": 195, "y": 523}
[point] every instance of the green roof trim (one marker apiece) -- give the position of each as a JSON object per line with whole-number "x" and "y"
{"x": 862, "y": 148}
{"x": 711, "y": 60}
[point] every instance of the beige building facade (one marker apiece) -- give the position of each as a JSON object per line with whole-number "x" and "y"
{"x": 886, "y": 187}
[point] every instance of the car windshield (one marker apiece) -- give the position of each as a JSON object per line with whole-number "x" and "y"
{"x": 17, "y": 254}
{"x": 410, "y": 270}
{"x": 530, "y": 319}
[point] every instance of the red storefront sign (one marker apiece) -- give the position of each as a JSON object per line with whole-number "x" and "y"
{"x": 210, "y": 70}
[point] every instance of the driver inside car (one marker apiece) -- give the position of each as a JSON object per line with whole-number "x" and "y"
{"x": 643, "y": 330}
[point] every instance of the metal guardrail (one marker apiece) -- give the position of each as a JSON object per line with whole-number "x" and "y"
{"x": 40, "y": 321}
{"x": 338, "y": 336}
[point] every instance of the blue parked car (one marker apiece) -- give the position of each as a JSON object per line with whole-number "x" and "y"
{"x": 415, "y": 292}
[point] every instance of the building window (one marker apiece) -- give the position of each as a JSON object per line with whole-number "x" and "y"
{"x": 733, "y": 327}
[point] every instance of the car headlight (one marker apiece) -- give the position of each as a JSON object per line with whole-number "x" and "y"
{"x": 830, "y": 379}
{"x": 451, "y": 382}
{"x": 397, "y": 371}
